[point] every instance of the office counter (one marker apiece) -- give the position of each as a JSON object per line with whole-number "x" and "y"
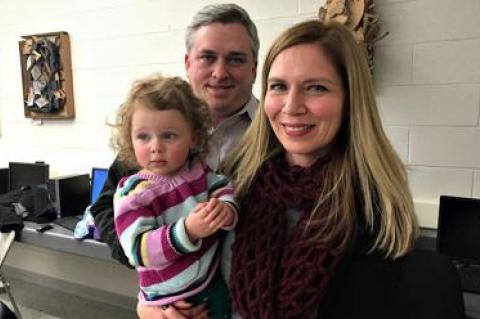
{"x": 90, "y": 251}
{"x": 55, "y": 259}
{"x": 61, "y": 239}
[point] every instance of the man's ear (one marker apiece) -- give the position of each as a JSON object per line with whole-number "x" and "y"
{"x": 187, "y": 62}
{"x": 255, "y": 66}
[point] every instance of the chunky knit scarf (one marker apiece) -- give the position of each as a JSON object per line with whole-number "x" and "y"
{"x": 277, "y": 273}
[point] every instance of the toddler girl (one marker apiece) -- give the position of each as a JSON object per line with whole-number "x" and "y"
{"x": 170, "y": 215}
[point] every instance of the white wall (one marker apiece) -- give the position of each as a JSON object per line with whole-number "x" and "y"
{"x": 428, "y": 81}
{"x": 427, "y": 76}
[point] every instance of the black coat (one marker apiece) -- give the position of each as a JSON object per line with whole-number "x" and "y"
{"x": 421, "y": 285}
{"x": 102, "y": 211}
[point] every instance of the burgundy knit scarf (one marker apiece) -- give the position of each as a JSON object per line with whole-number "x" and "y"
{"x": 276, "y": 273}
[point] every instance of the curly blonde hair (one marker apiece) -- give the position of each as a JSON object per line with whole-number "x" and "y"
{"x": 160, "y": 93}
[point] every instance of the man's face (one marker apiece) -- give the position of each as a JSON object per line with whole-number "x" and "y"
{"x": 221, "y": 67}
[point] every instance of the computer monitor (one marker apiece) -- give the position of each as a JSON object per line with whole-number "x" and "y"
{"x": 458, "y": 235}
{"x": 27, "y": 174}
{"x": 99, "y": 175}
{"x": 4, "y": 180}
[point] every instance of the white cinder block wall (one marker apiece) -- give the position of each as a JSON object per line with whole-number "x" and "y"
{"x": 428, "y": 89}
{"x": 427, "y": 78}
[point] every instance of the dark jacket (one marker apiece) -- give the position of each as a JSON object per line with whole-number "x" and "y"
{"x": 102, "y": 211}
{"x": 421, "y": 285}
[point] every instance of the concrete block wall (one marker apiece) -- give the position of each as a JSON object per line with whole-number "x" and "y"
{"x": 428, "y": 89}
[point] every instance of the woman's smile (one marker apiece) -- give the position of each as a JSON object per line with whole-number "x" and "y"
{"x": 297, "y": 130}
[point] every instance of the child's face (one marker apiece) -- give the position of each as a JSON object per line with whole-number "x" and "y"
{"x": 161, "y": 139}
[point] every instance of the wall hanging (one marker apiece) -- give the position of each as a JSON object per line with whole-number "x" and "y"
{"x": 47, "y": 76}
{"x": 358, "y": 16}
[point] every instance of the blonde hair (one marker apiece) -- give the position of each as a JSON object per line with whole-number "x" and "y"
{"x": 160, "y": 93}
{"x": 365, "y": 179}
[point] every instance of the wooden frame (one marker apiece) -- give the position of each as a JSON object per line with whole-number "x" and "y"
{"x": 63, "y": 77}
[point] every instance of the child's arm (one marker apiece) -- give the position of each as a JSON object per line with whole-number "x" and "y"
{"x": 219, "y": 212}
{"x": 144, "y": 240}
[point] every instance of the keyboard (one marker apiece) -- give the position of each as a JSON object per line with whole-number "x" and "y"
{"x": 470, "y": 278}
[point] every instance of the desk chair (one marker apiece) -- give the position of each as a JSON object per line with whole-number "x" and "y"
{"x": 6, "y": 241}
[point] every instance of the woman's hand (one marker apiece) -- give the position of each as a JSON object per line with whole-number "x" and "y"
{"x": 179, "y": 310}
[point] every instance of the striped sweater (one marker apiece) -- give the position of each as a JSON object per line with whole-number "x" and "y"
{"x": 150, "y": 211}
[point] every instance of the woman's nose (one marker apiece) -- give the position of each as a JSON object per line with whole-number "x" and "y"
{"x": 294, "y": 103}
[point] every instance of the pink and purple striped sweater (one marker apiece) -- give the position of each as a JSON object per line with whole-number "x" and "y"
{"x": 150, "y": 211}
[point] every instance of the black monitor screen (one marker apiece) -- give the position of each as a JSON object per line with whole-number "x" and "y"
{"x": 459, "y": 228}
{"x": 27, "y": 174}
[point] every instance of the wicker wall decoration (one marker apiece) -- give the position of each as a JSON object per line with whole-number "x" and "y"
{"x": 358, "y": 16}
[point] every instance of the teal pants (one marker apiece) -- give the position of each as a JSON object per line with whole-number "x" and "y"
{"x": 216, "y": 297}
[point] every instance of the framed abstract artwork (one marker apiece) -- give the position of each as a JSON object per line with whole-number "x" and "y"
{"x": 47, "y": 76}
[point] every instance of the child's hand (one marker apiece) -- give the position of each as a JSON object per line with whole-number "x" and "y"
{"x": 219, "y": 214}
{"x": 207, "y": 218}
{"x": 195, "y": 225}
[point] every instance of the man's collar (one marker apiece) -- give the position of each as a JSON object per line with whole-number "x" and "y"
{"x": 248, "y": 109}
{"x": 251, "y": 107}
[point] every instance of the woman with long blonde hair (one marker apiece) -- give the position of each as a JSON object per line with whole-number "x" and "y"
{"x": 317, "y": 179}
{"x": 364, "y": 166}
